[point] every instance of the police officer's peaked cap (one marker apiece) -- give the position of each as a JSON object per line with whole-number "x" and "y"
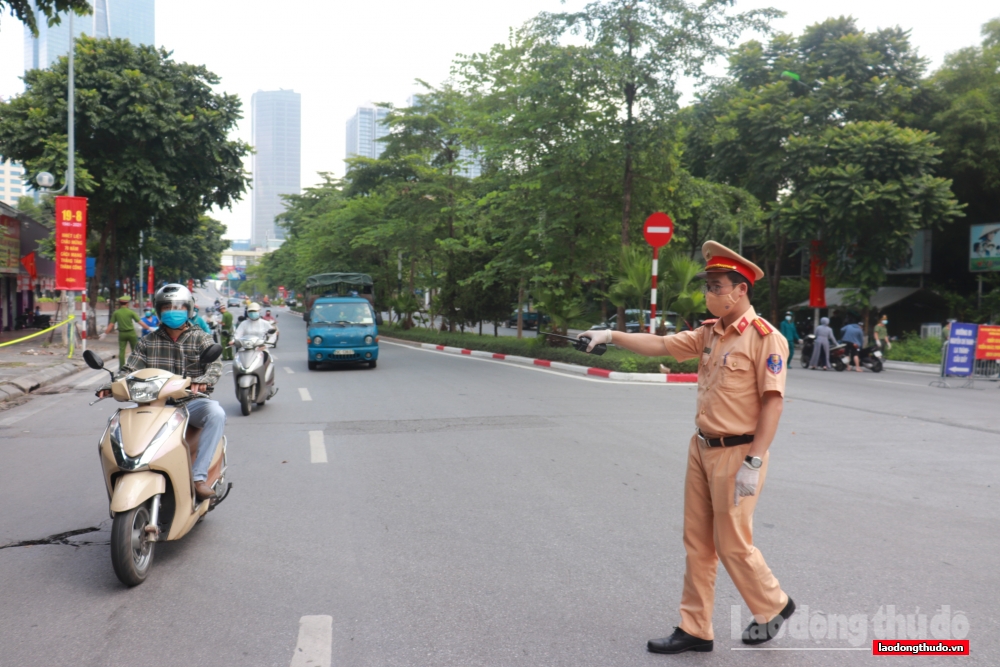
{"x": 720, "y": 259}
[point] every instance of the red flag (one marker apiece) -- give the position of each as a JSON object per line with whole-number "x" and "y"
{"x": 817, "y": 277}
{"x": 29, "y": 264}
{"x": 149, "y": 282}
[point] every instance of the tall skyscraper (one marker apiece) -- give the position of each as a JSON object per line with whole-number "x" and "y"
{"x": 12, "y": 187}
{"x": 276, "y": 126}
{"x": 363, "y": 128}
{"x": 133, "y": 20}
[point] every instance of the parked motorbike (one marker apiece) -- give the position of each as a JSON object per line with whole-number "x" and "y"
{"x": 146, "y": 454}
{"x": 253, "y": 372}
{"x": 870, "y": 357}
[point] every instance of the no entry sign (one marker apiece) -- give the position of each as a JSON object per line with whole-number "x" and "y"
{"x": 658, "y": 230}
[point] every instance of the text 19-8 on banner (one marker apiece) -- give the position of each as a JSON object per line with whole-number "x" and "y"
{"x": 71, "y": 243}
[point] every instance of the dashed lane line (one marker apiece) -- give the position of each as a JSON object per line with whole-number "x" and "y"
{"x": 314, "y": 647}
{"x": 289, "y": 370}
{"x": 304, "y": 394}
{"x": 317, "y": 448}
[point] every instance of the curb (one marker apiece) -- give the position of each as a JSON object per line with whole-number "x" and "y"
{"x": 617, "y": 376}
{"x": 29, "y": 383}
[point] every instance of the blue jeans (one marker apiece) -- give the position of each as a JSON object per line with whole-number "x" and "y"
{"x": 209, "y": 416}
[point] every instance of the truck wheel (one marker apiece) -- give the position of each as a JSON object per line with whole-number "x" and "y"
{"x": 131, "y": 550}
{"x": 246, "y": 405}
{"x": 373, "y": 363}
{"x": 313, "y": 365}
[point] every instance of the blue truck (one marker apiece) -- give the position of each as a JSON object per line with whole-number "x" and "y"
{"x": 341, "y": 320}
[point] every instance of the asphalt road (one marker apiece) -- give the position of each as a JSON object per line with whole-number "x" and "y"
{"x": 476, "y": 513}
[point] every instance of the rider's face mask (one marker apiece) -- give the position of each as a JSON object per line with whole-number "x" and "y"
{"x": 254, "y": 315}
{"x": 174, "y": 319}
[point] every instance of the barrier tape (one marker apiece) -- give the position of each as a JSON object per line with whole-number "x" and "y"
{"x": 45, "y": 331}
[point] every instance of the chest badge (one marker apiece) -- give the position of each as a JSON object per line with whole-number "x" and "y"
{"x": 774, "y": 363}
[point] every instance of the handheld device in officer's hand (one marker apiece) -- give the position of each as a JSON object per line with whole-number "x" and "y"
{"x": 582, "y": 342}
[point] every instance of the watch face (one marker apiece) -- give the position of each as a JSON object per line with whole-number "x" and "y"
{"x": 754, "y": 461}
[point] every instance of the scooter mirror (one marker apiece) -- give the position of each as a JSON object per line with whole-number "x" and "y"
{"x": 93, "y": 360}
{"x": 210, "y": 353}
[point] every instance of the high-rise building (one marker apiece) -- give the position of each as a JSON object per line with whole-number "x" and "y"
{"x": 275, "y": 117}
{"x": 12, "y": 185}
{"x": 133, "y": 20}
{"x": 363, "y": 129}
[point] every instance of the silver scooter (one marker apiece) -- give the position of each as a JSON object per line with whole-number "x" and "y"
{"x": 253, "y": 372}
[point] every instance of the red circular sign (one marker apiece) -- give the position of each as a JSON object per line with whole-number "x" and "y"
{"x": 658, "y": 229}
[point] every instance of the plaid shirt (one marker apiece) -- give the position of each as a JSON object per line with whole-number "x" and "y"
{"x": 158, "y": 350}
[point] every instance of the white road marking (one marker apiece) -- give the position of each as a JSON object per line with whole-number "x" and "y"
{"x": 315, "y": 645}
{"x": 304, "y": 394}
{"x": 289, "y": 370}
{"x": 908, "y": 384}
{"x": 317, "y": 448}
{"x": 101, "y": 375}
{"x": 37, "y": 405}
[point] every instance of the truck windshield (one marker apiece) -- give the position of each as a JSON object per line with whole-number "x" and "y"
{"x": 342, "y": 313}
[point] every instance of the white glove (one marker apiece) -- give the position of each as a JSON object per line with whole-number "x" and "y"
{"x": 746, "y": 483}
{"x": 597, "y": 337}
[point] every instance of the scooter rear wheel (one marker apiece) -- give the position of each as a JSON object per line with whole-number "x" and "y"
{"x": 131, "y": 550}
{"x": 246, "y": 405}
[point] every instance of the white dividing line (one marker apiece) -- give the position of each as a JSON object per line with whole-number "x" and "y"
{"x": 304, "y": 394}
{"x": 289, "y": 370}
{"x": 317, "y": 448}
{"x": 315, "y": 645}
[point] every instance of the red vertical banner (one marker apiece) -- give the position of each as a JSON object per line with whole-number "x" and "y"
{"x": 71, "y": 243}
{"x": 149, "y": 281}
{"x": 817, "y": 277}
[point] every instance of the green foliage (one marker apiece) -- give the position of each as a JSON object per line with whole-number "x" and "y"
{"x": 27, "y": 11}
{"x": 680, "y": 290}
{"x": 193, "y": 255}
{"x": 912, "y": 347}
{"x": 631, "y": 288}
{"x": 615, "y": 359}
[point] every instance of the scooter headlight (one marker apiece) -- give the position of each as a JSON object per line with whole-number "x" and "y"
{"x": 145, "y": 391}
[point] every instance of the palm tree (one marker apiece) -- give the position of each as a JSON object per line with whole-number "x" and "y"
{"x": 633, "y": 284}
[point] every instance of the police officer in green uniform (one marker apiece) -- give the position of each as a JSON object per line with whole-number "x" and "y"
{"x": 227, "y": 332}
{"x": 125, "y": 318}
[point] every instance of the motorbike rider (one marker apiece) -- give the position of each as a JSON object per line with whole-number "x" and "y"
{"x": 149, "y": 319}
{"x": 226, "y": 333}
{"x": 268, "y": 316}
{"x": 253, "y": 326}
{"x": 198, "y": 321}
{"x": 176, "y": 347}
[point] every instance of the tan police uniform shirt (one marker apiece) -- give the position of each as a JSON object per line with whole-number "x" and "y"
{"x": 737, "y": 366}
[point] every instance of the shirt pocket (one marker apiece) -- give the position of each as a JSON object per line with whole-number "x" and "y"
{"x": 737, "y": 375}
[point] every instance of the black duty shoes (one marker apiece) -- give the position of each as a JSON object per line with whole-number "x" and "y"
{"x": 679, "y": 642}
{"x": 757, "y": 633}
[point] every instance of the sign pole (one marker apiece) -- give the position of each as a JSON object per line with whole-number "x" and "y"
{"x": 657, "y": 230}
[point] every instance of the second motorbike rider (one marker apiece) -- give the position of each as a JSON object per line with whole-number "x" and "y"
{"x": 253, "y": 326}
{"x": 176, "y": 347}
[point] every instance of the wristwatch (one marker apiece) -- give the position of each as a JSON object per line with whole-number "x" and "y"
{"x": 754, "y": 462}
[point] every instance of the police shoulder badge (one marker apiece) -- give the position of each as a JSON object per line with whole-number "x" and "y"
{"x": 774, "y": 363}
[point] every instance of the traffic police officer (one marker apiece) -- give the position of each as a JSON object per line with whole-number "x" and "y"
{"x": 125, "y": 318}
{"x": 741, "y": 384}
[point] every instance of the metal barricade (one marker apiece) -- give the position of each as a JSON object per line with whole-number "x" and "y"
{"x": 987, "y": 370}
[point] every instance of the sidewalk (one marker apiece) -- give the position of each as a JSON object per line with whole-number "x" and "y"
{"x": 35, "y": 363}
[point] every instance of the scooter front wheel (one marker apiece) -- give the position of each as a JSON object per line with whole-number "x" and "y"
{"x": 131, "y": 550}
{"x": 246, "y": 405}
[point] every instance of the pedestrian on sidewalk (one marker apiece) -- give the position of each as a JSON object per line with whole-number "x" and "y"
{"x": 125, "y": 318}
{"x": 791, "y": 334}
{"x": 821, "y": 345}
{"x": 854, "y": 337}
{"x": 741, "y": 385}
{"x": 882, "y": 335}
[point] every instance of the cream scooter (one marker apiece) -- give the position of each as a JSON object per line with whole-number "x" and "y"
{"x": 146, "y": 454}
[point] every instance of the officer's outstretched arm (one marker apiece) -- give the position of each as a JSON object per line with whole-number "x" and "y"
{"x": 683, "y": 345}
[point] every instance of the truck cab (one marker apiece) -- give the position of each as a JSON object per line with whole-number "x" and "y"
{"x": 342, "y": 330}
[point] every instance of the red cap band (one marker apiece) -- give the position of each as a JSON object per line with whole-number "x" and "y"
{"x": 727, "y": 264}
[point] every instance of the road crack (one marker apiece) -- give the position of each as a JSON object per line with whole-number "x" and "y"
{"x": 58, "y": 538}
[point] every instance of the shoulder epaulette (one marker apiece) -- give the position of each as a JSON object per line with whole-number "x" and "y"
{"x": 762, "y": 326}
{"x": 709, "y": 323}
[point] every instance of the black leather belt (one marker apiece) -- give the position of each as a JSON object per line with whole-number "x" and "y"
{"x": 726, "y": 440}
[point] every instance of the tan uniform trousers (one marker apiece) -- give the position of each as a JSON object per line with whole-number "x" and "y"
{"x": 715, "y": 528}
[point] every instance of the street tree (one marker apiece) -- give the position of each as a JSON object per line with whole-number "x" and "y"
{"x": 197, "y": 254}
{"x": 152, "y": 140}
{"x": 28, "y": 11}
